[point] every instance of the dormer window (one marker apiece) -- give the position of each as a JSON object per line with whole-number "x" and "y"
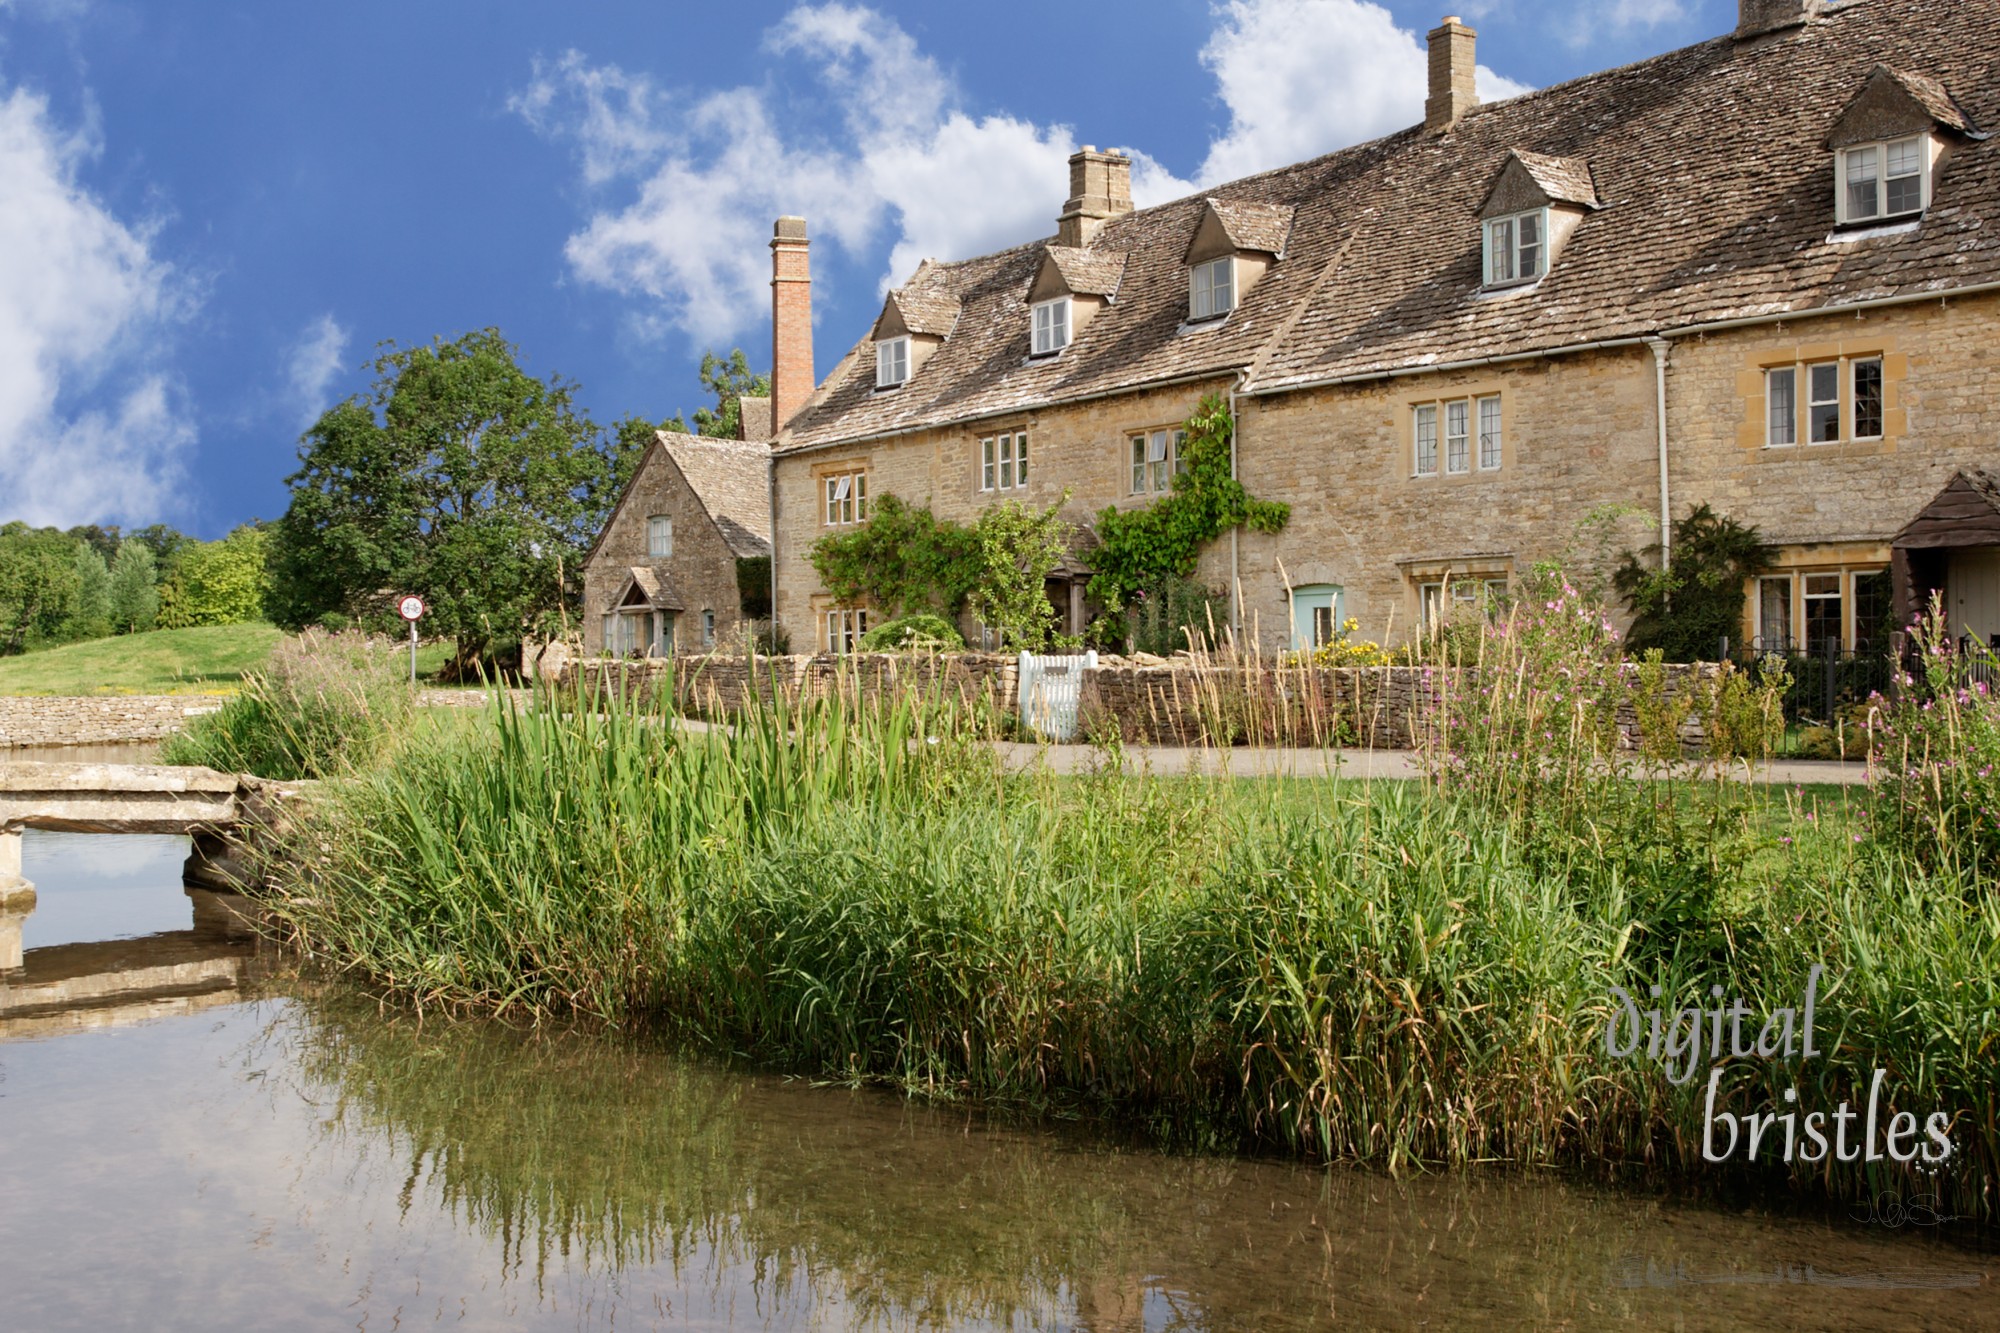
{"x": 1051, "y": 326}
{"x": 892, "y": 363}
{"x": 1516, "y": 248}
{"x": 1884, "y": 180}
{"x": 1212, "y": 289}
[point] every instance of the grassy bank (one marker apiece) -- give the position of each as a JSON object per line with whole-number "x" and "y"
{"x": 1409, "y": 975}
{"x": 214, "y": 659}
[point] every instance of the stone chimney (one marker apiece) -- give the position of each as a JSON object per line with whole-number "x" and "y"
{"x": 792, "y": 380}
{"x": 1100, "y": 189}
{"x": 1452, "y": 75}
{"x": 1757, "y": 17}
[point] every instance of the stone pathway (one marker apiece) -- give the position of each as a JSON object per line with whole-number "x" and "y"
{"x": 1381, "y": 765}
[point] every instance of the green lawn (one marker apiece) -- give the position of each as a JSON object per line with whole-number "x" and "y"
{"x": 210, "y": 660}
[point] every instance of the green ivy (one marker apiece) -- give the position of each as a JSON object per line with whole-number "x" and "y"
{"x": 1146, "y": 548}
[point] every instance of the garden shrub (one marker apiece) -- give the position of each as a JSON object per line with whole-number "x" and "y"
{"x": 918, "y": 633}
{"x": 1934, "y": 756}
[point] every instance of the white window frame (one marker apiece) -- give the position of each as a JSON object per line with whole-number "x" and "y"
{"x": 659, "y": 537}
{"x": 892, "y": 363}
{"x": 1458, "y": 437}
{"x": 1844, "y": 164}
{"x": 1492, "y": 422}
{"x": 1424, "y": 439}
{"x": 1466, "y": 590}
{"x": 846, "y": 499}
{"x": 1853, "y": 408}
{"x": 708, "y": 629}
{"x": 844, "y": 627}
{"x": 1504, "y": 249}
{"x": 1003, "y": 462}
{"x": 1212, "y": 289}
{"x": 1052, "y": 326}
{"x": 1814, "y": 403}
{"x": 1772, "y": 376}
{"x": 1156, "y": 459}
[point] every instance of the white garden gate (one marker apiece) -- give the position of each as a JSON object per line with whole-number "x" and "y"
{"x": 1051, "y": 690}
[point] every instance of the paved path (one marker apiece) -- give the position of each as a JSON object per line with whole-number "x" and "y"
{"x": 1383, "y": 765}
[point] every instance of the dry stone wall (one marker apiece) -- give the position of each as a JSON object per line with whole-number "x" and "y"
{"x": 35, "y": 720}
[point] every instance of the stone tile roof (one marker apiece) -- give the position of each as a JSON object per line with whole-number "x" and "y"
{"x": 1262, "y": 228}
{"x": 1717, "y": 194}
{"x": 933, "y": 311}
{"x": 1932, "y": 96}
{"x": 1564, "y": 180}
{"x": 655, "y": 587}
{"x": 733, "y": 480}
{"x": 1088, "y": 272}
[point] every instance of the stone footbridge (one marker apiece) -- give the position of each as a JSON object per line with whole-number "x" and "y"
{"x": 116, "y": 798}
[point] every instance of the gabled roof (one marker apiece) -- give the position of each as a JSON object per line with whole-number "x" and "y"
{"x": 732, "y": 478}
{"x": 1260, "y": 228}
{"x": 1565, "y": 180}
{"x": 932, "y": 312}
{"x": 1721, "y": 207}
{"x": 1932, "y": 96}
{"x": 656, "y": 588}
{"x": 1087, "y": 272}
{"x": 1965, "y": 513}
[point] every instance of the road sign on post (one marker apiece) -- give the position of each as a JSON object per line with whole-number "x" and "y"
{"x": 412, "y": 610}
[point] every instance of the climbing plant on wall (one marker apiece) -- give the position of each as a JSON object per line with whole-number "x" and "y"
{"x": 1146, "y": 549}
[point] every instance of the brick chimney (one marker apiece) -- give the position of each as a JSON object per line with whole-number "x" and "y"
{"x": 792, "y": 380}
{"x": 1452, "y": 75}
{"x": 1100, "y": 189}
{"x": 1757, "y": 17}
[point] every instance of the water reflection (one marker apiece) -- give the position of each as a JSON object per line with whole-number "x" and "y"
{"x": 303, "y": 1158}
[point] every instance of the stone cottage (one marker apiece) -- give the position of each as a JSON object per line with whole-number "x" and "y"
{"x": 684, "y": 561}
{"x": 1760, "y": 273}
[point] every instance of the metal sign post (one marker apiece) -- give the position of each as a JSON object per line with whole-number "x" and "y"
{"x": 412, "y": 610}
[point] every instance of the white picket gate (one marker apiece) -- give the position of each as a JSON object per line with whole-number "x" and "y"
{"x": 1051, "y": 690}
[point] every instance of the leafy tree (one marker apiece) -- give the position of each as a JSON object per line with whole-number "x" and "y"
{"x": 729, "y": 379}
{"x": 103, "y": 540}
{"x": 459, "y": 477}
{"x": 1687, "y": 611}
{"x": 218, "y": 583}
{"x": 135, "y": 593}
{"x": 1018, "y": 549}
{"x": 90, "y": 614}
{"x": 903, "y": 561}
{"x": 164, "y": 542}
{"x": 38, "y": 586}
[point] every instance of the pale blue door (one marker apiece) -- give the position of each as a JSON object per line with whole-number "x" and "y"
{"x": 1317, "y": 610}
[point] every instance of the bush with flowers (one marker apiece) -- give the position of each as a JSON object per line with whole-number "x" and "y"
{"x": 1344, "y": 650}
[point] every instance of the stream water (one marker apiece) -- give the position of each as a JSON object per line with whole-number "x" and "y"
{"x": 193, "y": 1138}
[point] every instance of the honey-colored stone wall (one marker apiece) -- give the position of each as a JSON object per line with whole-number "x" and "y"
{"x": 702, "y": 568}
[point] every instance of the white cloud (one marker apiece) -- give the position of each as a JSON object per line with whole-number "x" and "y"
{"x": 1306, "y": 77}
{"x": 82, "y": 302}
{"x": 1619, "y": 17}
{"x": 702, "y": 178}
{"x": 317, "y": 357}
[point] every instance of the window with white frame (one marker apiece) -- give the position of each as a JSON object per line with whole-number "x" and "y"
{"x": 1471, "y": 428}
{"x": 844, "y": 628}
{"x": 846, "y": 498}
{"x": 1516, "y": 248}
{"x": 1212, "y": 289}
{"x": 1885, "y": 180}
{"x": 708, "y": 629}
{"x": 659, "y": 537}
{"x": 1490, "y": 443}
{"x": 1446, "y": 599}
{"x": 892, "y": 363}
{"x": 1051, "y": 326}
{"x": 1842, "y": 400}
{"x": 1003, "y": 462}
{"x": 1156, "y": 457}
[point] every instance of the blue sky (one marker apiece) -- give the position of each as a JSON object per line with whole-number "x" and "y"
{"x": 211, "y": 211}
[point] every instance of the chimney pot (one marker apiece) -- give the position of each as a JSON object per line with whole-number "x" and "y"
{"x": 1100, "y": 189}
{"x": 1454, "y": 72}
{"x": 792, "y": 380}
{"x": 1756, "y": 17}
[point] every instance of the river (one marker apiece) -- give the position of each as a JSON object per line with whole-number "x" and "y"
{"x": 194, "y": 1137}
